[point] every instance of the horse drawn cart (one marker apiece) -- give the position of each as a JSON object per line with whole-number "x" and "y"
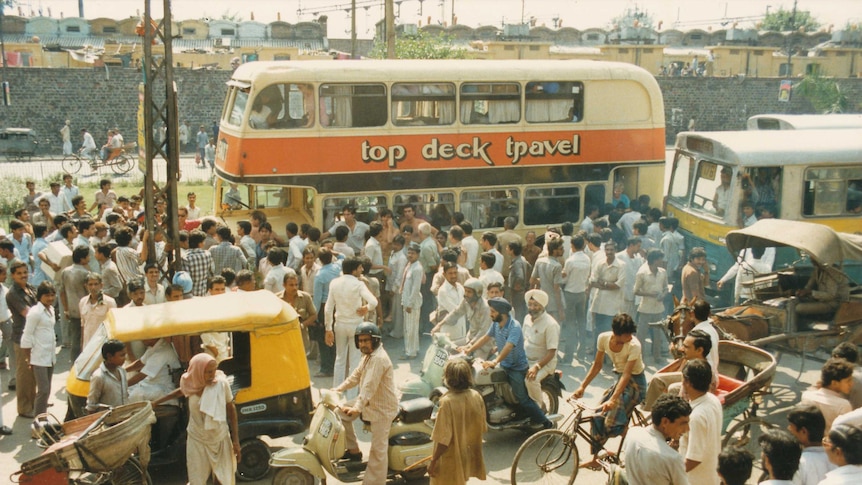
{"x": 772, "y": 319}
{"x": 95, "y": 449}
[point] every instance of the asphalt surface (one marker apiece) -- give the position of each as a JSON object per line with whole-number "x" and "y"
{"x": 500, "y": 446}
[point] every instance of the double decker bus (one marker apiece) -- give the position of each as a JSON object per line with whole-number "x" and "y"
{"x": 808, "y": 175}
{"x": 536, "y": 140}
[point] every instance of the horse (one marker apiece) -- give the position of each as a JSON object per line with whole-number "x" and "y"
{"x": 740, "y": 323}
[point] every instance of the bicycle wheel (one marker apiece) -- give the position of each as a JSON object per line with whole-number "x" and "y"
{"x": 121, "y": 165}
{"x": 547, "y": 457}
{"x": 745, "y": 434}
{"x": 131, "y": 473}
{"x": 71, "y": 164}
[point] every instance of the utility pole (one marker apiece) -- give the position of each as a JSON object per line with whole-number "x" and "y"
{"x": 81, "y": 8}
{"x": 353, "y": 29}
{"x": 160, "y": 104}
{"x": 390, "y": 30}
{"x": 790, "y": 42}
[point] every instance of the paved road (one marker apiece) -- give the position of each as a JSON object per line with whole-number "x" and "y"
{"x": 500, "y": 446}
{"x": 45, "y": 168}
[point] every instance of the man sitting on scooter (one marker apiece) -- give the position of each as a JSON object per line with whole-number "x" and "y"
{"x": 377, "y": 402}
{"x": 511, "y": 357}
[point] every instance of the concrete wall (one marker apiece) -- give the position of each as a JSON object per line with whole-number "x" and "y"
{"x": 98, "y": 99}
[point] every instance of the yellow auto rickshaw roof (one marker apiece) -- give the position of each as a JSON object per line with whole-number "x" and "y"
{"x": 233, "y": 311}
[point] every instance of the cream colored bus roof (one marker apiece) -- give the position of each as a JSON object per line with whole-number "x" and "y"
{"x": 808, "y": 122}
{"x": 233, "y": 311}
{"x": 771, "y": 148}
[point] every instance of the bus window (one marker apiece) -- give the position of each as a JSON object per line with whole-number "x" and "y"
{"x": 551, "y": 205}
{"x": 553, "y": 102}
{"x": 594, "y": 195}
{"x": 353, "y": 105}
{"x": 833, "y": 191}
{"x": 267, "y": 109}
{"x": 487, "y": 208}
{"x": 367, "y": 207}
{"x": 269, "y": 196}
{"x": 490, "y": 103}
{"x": 415, "y": 104}
{"x": 435, "y": 207}
{"x": 235, "y": 197}
{"x": 681, "y": 177}
{"x": 240, "y": 100}
{"x": 709, "y": 191}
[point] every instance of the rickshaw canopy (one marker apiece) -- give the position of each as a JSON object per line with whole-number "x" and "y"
{"x": 823, "y": 245}
{"x": 239, "y": 311}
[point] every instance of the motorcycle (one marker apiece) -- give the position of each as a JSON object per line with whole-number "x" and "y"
{"x": 324, "y": 445}
{"x": 492, "y": 384}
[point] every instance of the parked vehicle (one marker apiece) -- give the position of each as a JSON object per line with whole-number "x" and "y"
{"x": 322, "y": 449}
{"x": 267, "y": 369}
{"x": 18, "y": 144}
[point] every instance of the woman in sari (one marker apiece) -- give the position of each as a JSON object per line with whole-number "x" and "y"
{"x": 212, "y": 446}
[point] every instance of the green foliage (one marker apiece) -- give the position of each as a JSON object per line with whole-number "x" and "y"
{"x": 823, "y": 93}
{"x": 422, "y": 46}
{"x": 784, "y": 21}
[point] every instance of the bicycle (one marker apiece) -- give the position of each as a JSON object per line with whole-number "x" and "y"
{"x": 120, "y": 164}
{"x": 551, "y": 455}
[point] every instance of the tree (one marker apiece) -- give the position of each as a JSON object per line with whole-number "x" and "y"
{"x": 421, "y": 46}
{"x": 823, "y": 93}
{"x": 785, "y": 21}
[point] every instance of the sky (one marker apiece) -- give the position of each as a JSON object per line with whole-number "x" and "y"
{"x": 580, "y": 14}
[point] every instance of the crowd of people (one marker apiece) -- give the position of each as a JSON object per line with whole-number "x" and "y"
{"x": 525, "y": 305}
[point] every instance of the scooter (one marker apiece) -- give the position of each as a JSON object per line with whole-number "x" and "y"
{"x": 492, "y": 384}
{"x": 324, "y": 445}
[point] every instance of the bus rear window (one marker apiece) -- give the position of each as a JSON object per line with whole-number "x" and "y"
{"x": 353, "y": 105}
{"x": 435, "y": 207}
{"x": 423, "y": 104}
{"x": 554, "y": 102}
{"x": 490, "y": 103}
{"x": 488, "y": 208}
{"x": 551, "y": 205}
{"x": 833, "y": 191}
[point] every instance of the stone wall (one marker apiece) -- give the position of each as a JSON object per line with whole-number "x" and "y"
{"x": 98, "y": 99}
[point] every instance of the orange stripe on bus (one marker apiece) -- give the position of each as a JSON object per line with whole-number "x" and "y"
{"x": 354, "y": 154}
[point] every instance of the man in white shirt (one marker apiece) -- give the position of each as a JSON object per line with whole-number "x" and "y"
{"x": 608, "y": 278}
{"x": 649, "y": 459}
{"x": 633, "y": 262}
{"x": 153, "y": 379}
{"x": 548, "y": 276}
{"x": 651, "y": 287}
{"x": 352, "y": 300}
{"x": 489, "y": 245}
{"x": 576, "y": 279}
{"x": 541, "y": 340}
{"x": 808, "y": 426}
{"x": 701, "y": 445}
{"x": 374, "y": 251}
{"x": 780, "y": 452}
{"x": 836, "y": 380}
{"x": 750, "y": 263}
{"x": 471, "y": 248}
{"x": 701, "y": 313}
{"x": 411, "y": 300}
{"x": 487, "y": 273}
{"x": 295, "y": 246}
{"x": 449, "y": 297}
{"x": 58, "y": 201}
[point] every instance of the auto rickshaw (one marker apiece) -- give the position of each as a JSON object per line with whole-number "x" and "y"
{"x": 18, "y": 144}
{"x": 267, "y": 370}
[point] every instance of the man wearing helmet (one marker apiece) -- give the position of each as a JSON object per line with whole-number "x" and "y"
{"x": 475, "y": 309}
{"x": 377, "y": 402}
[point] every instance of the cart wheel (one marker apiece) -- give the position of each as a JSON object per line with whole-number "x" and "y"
{"x": 122, "y": 165}
{"x": 131, "y": 473}
{"x": 745, "y": 434}
{"x": 255, "y": 460}
{"x": 71, "y": 164}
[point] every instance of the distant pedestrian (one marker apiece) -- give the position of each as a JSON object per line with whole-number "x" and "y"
{"x": 66, "y": 134}
{"x": 202, "y": 140}
{"x": 458, "y": 430}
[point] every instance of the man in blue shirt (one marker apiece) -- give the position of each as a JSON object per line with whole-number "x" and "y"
{"x": 511, "y": 357}
{"x": 329, "y": 270}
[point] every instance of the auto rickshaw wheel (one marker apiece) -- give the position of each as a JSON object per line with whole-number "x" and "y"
{"x": 293, "y": 475}
{"x": 255, "y": 460}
